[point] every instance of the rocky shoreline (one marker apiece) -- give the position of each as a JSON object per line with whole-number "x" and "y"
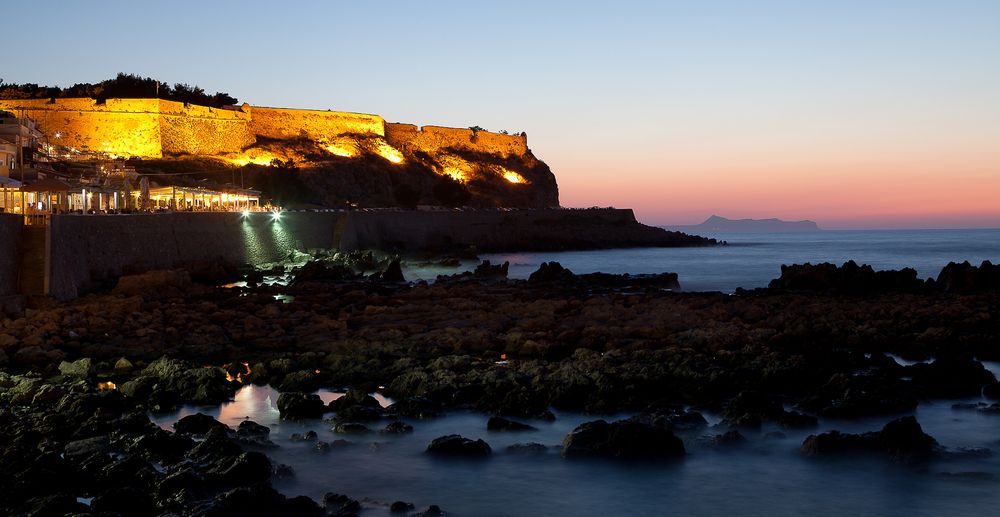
{"x": 80, "y": 379}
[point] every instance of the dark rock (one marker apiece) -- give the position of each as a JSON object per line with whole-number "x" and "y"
{"x": 393, "y": 273}
{"x": 87, "y": 446}
{"x": 527, "y": 448}
{"x": 245, "y": 469}
{"x": 497, "y": 423}
{"x": 849, "y": 278}
{"x": 626, "y": 439}
{"x": 252, "y": 433}
{"x": 300, "y": 406}
{"x": 728, "y": 439}
{"x": 486, "y": 270}
{"x": 354, "y": 397}
{"x": 397, "y": 428}
{"x": 81, "y": 368}
{"x": 992, "y": 391}
{"x": 431, "y": 511}
{"x": 159, "y": 284}
{"x": 902, "y": 440}
{"x": 350, "y": 428}
{"x": 455, "y": 445}
{"x": 415, "y": 407}
{"x": 309, "y": 436}
{"x": 950, "y": 377}
{"x": 965, "y": 278}
{"x": 124, "y": 501}
{"x": 340, "y": 504}
{"x": 400, "y": 507}
{"x": 316, "y": 271}
{"x": 198, "y": 424}
{"x": 551, "y": 272}
{"x": 358, "y": 414}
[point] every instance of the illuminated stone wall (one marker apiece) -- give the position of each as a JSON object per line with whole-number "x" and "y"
{"x": 129, "y": 127}
{"x": 191, "y": 129}
{"x": 317, "y": 125}
{"x": 409, "y": 138}
{"x": 10, "y": 236}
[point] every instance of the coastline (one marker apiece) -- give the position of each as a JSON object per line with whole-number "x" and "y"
{"x": 598, "y": 344}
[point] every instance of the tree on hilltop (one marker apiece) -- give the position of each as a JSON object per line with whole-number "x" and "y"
{"x": 126, "y": 86}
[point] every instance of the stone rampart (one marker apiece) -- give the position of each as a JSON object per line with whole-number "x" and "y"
{"x": 314, "y": 124}
{"x": 409, "y": 137}
{"x": 10, "y": 236}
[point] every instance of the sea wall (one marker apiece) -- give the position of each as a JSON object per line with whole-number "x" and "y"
{"x": 317, "y": 125}
{"x": 409, "y": 137}
{"x": 498, "y": 230}
{"x": 89, "y": 252}
{"x": 10, "y": 236}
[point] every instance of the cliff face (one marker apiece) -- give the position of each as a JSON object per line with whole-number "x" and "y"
{"x": 344, "y": 158}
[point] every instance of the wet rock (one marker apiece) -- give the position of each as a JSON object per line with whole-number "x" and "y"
{"x": 489, "y": 271}
{"x": 951, "y": 377}
{"x": 750, "y": 408}
{"x": 393, "y": 273}
{"x": 252, "y": 433}
{"x": 627, "y": 439}
{"x": 730, "y": 438}
{"x": 415, "y": 407}
{"x": 902, "y": 440}
{"x": 551, "y": 272}
{"x": 354, "y": 397}
{"x": 397, "y": 428}
{"x": 58, "y": 504}
{"x": 198, "y": 424}
{"x": 316, "y": 271}
{"x": 350, "y": 428}
{"x": 161, "y": 284}
{"x": 400, "y": 507}
{"x": 87, "y": 446}
{"x": 456, "y": 445}
{"x": 308, "y": 436}
{"x": 340, "y": 504}
{"x": 431, "y": 511}
{"x": 849, "y": 278}
{"x": 123, "y": 365}
{"x": 527, "y": 448}
{"x": 497, "y": 423}
{"x": 965, "y": 278}
{"x": 245, "y": 469}
{"x": 992, "y": 391}
{"x": 300, "y": 406}
{"x": 81, "y": 368}
{"x": 358, "y": 414}
{"x": 124, "y": 501}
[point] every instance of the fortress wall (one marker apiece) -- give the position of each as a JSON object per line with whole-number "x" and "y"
{"x": 88, "y": 252}
{"x": 432, "y": 138}
{"x": 10, "y": 236}
{"x": 317, "y": 125}
{"x": 181, "y": 134}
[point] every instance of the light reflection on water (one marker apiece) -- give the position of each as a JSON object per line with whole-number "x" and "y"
{"x": 767, "y": 477}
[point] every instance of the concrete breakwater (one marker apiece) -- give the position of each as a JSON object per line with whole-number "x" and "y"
{"x": 83, "y": 253}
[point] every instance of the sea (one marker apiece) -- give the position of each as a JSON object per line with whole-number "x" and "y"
{"x": 751, "y": 260}
{"x": 766, "y": 477}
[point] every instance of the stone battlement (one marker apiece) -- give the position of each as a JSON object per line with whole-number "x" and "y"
{"x": 153, "y": 128}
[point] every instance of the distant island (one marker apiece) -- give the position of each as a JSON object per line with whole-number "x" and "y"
{"x": 717, "y": 223}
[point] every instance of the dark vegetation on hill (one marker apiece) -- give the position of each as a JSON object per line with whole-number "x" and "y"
{"x": 321, "y": 179}
{"x": 128, "y": 86}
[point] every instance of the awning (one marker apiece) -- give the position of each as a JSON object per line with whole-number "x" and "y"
{"x": 6, "y": 182}
{"x": 48, "y": 185}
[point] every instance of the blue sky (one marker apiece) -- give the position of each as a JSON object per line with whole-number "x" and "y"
{"x": 681, "y": 109}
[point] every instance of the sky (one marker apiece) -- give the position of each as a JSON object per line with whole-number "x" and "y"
{"x": 855, "y": 114}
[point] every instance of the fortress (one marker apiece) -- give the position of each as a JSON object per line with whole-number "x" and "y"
{"x": 156, "y": 128}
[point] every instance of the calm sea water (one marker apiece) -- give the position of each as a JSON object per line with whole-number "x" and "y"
{"x": 767, "y": 476}
{"x": 752, "y": 260}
